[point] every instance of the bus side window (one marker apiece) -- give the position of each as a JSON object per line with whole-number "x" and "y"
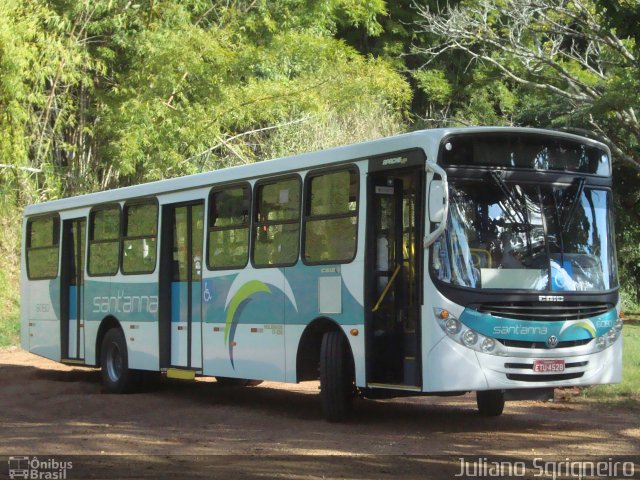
{"x": 228, "y": 245}
{"x": 104, "y": 240}
{"x": 140, "y": 238}
{"x": 42, "y": 247}
{"x": 277, "y": 225}
{"x": 331, "y": 217}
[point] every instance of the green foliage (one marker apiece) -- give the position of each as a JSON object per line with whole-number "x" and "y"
{"x": 10, "y": 226}
{"x": 627, "y": 204}
{"x": 109, "y": 94}
{"x": 629, "y": 389}
{"x": 434, "y": 84}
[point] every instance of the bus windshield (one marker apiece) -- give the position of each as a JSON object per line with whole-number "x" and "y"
{"x": 505, "y": 235}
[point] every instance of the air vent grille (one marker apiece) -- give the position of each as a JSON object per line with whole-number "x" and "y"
{"x": 544, "y": 312}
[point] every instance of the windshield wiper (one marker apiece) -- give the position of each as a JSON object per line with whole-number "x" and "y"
{"x": 518, "y": 206}
{"x": 570, "y": 202}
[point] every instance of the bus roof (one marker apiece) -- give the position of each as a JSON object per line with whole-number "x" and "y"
{"x": 428, "y": 140}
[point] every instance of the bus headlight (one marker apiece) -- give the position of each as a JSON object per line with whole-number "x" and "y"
{"x": 619, "y": 324}
{"x": 601, "y": 342}
{"x": 612, "y": 335}
{"x": 488, "y": 345}
{"x": 452, "y": 326}
{"x": 469, "y": 338}
{"x": 466, "y": 336}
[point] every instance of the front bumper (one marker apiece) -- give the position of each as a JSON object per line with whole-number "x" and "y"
{"x": 453, "y": 367}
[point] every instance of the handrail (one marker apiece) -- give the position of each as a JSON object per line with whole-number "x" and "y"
{"x": 386, "y": 289}
{"x": 433, "y": 236}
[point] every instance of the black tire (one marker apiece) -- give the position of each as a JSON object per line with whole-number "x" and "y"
{"x": 237, "y": 382}
{"x": 117, "y": 377}
{"x": 336, "y": 377}
{"x": 490, "y": 403}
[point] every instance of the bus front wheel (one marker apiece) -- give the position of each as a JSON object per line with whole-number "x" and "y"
{"x": 336, "y": 377}
{"x": 117, "y": 377}
{"x": 490, "y": 403}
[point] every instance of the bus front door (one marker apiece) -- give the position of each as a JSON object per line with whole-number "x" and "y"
{"x": 394, "y": 277}
{"x": 184, "y": 249}
{"x": 72, "y": 291}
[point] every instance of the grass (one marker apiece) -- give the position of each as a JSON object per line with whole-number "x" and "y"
{"x": 10, "y": 330}
{"x": 626, "y": 393}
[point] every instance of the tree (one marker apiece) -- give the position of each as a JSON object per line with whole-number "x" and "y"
{"x": 571, "y": 69}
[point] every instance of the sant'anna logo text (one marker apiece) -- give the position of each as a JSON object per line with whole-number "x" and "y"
{"x": 125, "y": 303}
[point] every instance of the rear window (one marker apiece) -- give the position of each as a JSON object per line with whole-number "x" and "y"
{"x": 43, "y": 236}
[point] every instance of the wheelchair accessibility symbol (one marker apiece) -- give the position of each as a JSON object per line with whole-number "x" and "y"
{"x": 206, "y": 293}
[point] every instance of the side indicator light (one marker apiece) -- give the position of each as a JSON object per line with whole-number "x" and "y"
{"x": 354, "y": 332}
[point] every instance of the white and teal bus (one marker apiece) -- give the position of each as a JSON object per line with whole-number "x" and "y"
{"x": 433, "y": 263}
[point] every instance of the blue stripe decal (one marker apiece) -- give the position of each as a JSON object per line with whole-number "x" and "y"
{"x": 179, "y": 297}
{"x": 537, "y": 331}
{"x": 73, "y": 314}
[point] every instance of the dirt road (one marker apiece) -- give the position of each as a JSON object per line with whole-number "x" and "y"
{"x": 52, "y": 409}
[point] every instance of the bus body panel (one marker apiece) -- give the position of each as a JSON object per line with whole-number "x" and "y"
{"x": 243, "y": 328}
{"x": 454, "y": 367}
{"x": 316, "y": 297}
{"x": 43, "y": 318}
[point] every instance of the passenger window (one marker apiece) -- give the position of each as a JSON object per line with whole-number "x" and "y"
{"x": 229, "y": 228}
{"x": 104, "y": 241}
{"x": 140, "y": 238}
{"x": 277, "y": 227}
{"x": 42, "y": 247}
{"x": 331, "y": 221}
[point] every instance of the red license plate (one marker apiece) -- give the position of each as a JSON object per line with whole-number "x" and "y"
{"x": 552, "y": 366}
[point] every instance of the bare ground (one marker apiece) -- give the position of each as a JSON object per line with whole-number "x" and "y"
{"x": 50, "y": 409}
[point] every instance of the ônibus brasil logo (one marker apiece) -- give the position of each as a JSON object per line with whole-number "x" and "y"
{"x": 38, "y": 469}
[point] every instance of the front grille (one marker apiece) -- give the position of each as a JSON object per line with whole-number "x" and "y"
{"x": 523, "y": 377}
{"x": 529, "y": 366}
{"x": 543, "y": 311}
{"x": 526, "y": 344}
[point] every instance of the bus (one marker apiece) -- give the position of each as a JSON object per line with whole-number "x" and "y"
{"x": 438, "y": 262}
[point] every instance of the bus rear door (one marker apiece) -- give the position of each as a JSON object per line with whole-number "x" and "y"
{"x": 72, "y": 290}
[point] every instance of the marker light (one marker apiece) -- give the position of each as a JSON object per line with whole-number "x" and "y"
{"x": 452, "y": 326}
{"x": 354, "y": 332}
{"x": 469, "y": 338}
{"x": 444, "y": 314}
{"x": 487, "y": 345}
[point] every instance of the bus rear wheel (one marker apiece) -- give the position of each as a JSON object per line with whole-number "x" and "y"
{"x": 336, "y": 377}
{"x": 490, "y": 403}
{"x": 117, "y": 377}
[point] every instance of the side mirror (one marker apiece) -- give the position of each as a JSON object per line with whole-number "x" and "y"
{"x": 437, "y": 201}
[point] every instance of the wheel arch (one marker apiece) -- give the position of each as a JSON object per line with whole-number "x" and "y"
{"x": 308, "y": 354}
{"x": 106, "y": 324}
